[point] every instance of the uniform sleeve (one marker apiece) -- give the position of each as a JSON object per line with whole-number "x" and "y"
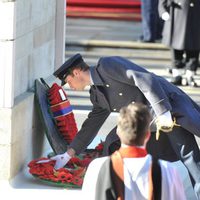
{"x": 89, "y": 129}
{"x": 148, "y": 83}
{"x": 150, "y": 86}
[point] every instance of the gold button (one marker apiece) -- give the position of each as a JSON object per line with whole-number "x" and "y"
{"x": 107, "y": 85}
{"x": 120, "y": 94}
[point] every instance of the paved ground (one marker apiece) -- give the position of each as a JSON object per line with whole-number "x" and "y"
{"x": 93, "y": 39}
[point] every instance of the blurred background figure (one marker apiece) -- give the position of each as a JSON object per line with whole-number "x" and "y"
{"x": 181, "y": 32}
{"x": 152, "y": 24}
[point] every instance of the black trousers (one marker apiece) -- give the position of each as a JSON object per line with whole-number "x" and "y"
{"x": 190, "y": 61}
{"x": 179, "y": 144}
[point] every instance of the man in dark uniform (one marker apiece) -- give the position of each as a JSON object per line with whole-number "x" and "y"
{"x": 116, "y": 82}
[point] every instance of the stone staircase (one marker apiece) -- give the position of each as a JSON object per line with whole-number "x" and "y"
{"x": 97, "y": 38}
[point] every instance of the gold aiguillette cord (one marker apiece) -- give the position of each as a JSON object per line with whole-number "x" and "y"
{"x": 165, "y": 129}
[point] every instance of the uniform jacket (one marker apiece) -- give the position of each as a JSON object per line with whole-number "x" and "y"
{"x": 119, "y": 82}
{"x": 136, "y": 181}
{"x": 182, "y": 30}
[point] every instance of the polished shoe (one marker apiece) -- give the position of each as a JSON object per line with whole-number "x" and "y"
{"x": 141, "y": 39}
{"x": 177, "y": 80}
{"x": 191, "y": 82}
{"x": 147, "y": 41}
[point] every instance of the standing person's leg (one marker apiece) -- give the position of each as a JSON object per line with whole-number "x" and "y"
{"x": 192, "y": 63}
{"x": 187, "y": 150}
{"x": 148, "y": 11}
{"x": 159, "y": 28}
{"x": 177, "y": 66}
{"x": 159, "y": 23}
{"x": 162, "y": 148}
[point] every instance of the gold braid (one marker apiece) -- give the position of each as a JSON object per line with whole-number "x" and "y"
{"x": 165, "y": 129}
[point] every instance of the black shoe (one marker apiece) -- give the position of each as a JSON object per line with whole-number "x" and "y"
{"x": 147, "y": 41}
{"x": 176, "y": 80}
{"x": 191, "y": 82}
{"x": 141, "y": 39}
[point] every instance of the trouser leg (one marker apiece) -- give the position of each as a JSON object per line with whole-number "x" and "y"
{"x": 187, "y": 150}
{"x": 159, "y": 26}
{"x": 112, "y": 143}
{"x": 177, "y": 66}
{"x": 149, "y": 9}
{"x": 192, "y": 60}
{"x": 162, "y": 148}
{"x": 177, "y": 59}
{"x": 192, "y": 63}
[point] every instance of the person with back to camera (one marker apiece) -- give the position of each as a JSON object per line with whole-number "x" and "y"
{"x": 114, "y": 83}
{"x": 130, "y": 172}
{"x": 181, "y": 33}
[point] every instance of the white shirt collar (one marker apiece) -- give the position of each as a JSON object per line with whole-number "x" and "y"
{"x": 125, "y": 145}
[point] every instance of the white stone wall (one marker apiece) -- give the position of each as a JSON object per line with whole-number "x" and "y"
{"x": 32, "y": 30}
{"x": 35, "y": 42}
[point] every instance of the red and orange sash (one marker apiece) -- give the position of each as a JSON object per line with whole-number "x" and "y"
{"x": 118, "y": 170}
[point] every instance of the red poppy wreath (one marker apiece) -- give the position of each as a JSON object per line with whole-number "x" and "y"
{"x": 71, "y": 176}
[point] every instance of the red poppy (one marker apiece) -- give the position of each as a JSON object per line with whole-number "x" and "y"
{"x": 77, "y": 180}
{"x": 99, "y": 147}
{"x": 64, "y": 177}
{"x": 85, "y": 162}
{"x": 47, "y": 172}
{"x": 69, "y": 177}
{"x": 79, "y": 171}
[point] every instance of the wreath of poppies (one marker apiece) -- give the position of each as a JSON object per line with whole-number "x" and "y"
{"x": 61, "y": 112}
{"x": 71, "y": 176}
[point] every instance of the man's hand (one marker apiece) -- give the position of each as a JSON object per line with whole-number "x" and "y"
{"x": 164, "y": 122}
{"x": 61, "y": 160}
{"x": 165, "y": 16}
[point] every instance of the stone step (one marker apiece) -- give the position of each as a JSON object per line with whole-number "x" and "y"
{"x": 96, "y": 38}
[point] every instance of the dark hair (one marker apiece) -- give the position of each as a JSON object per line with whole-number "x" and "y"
{"x": 133, "y": 123}
{"x": 82, "y": 66}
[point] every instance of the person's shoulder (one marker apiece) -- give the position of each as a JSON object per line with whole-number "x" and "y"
{"x": 98, "y": 161}
{"x": 95, "y": 165}
{"x": 107, "y": 59}
{"x": 111, "y": 59}
{"x": 112, "y": 64}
